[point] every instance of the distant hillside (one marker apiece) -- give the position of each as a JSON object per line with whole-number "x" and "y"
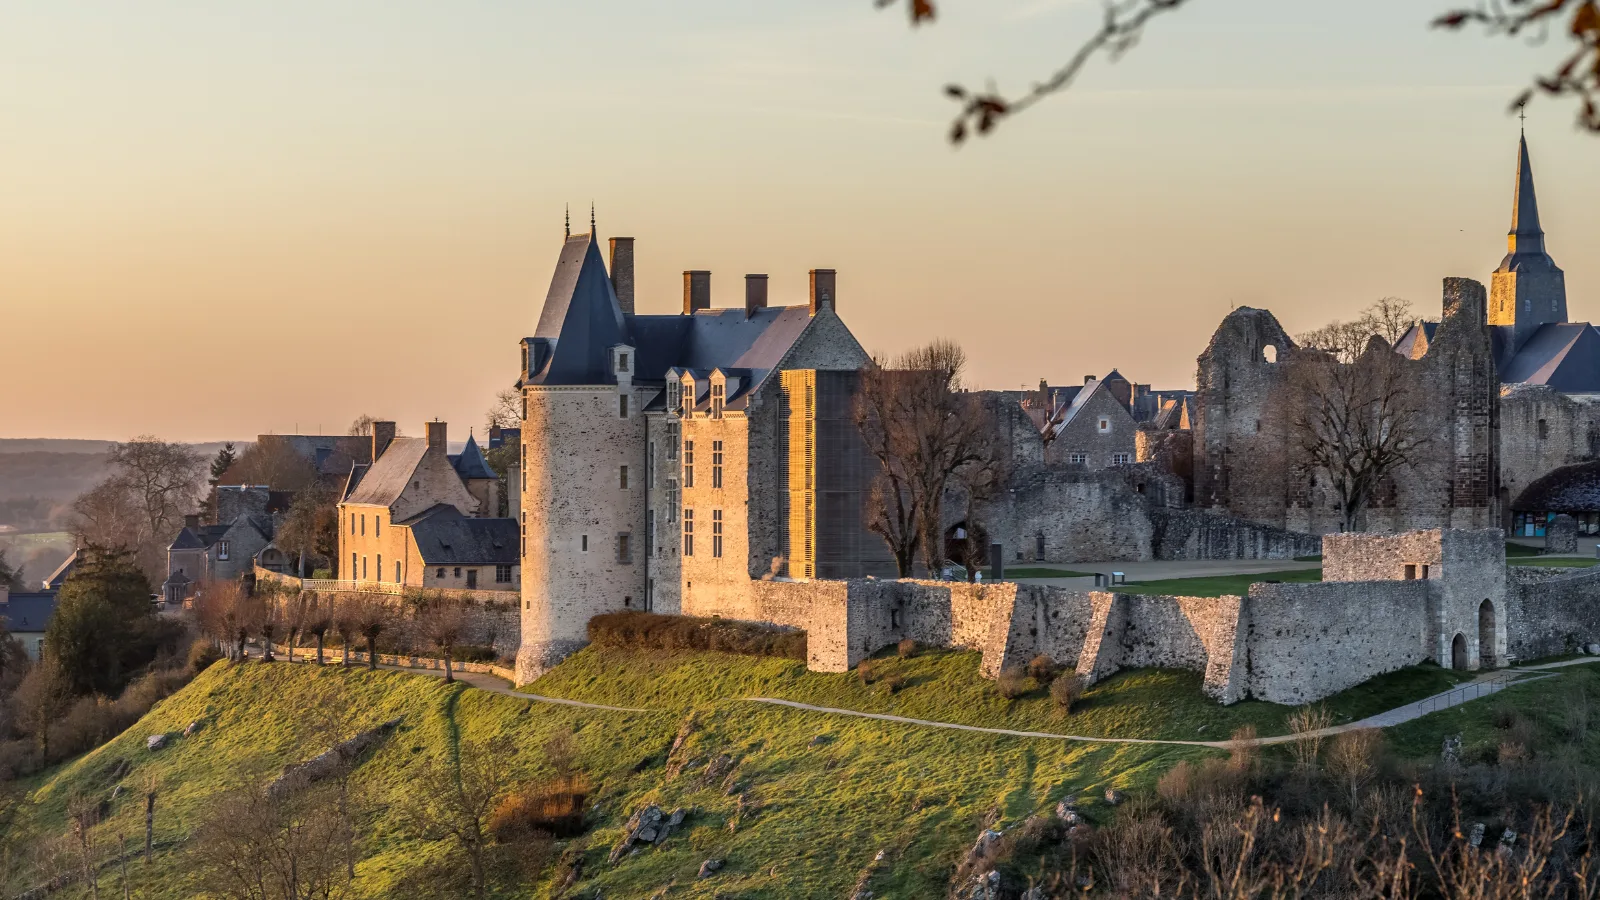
{"x": 40, "y": 477}
{"x": 52, "y": 445}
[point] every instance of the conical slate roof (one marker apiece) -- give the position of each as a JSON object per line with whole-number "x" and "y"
{"x": 1525, "y": 240}
{"x": 470, "y": 463}
{"x": 581, "y": 317}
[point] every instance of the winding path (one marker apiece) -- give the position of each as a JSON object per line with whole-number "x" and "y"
{"x": 1482, "y": 686}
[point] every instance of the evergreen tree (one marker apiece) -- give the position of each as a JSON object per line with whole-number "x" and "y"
{"x": 10, "y": 576}
{"x": 104, "y": 627}
{"x": 220, "y": 464}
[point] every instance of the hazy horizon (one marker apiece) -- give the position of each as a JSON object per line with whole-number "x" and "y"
{"x": 229, "y": 220}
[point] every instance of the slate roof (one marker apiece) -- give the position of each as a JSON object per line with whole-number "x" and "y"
{"x": 1528, "y": 247}
{"x": 28, "y": 612}
{"x": 1421, "y": 331}
{"x": 469, "y": 463}
{"x": 1563, "y": 355}
{"x": 582, "y": 319}
{"x": 204, "y": 536}
{"x": 59, "y": 576}
{"x": 381, "y": 483}
{"x": 446, "y": 537}
{"x": 581, "y": 316}
{"x": 1565, "y": 490}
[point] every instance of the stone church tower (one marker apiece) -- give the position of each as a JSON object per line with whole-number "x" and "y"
{"x": 1527, "y": 290}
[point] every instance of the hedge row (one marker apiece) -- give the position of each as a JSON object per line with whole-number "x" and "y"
{"x": 650, "y": 631}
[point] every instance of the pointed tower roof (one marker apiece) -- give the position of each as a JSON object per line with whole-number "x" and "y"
{"x": 470, "y": 463}
{"x": 1525, "y": 236}
{"x": 581, "y": 317}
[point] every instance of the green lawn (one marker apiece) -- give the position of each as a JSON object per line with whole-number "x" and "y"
{"x": 1545, "y": 702}
{"x": 1218, "y": 585}
{"x": 1556, "y": 562}
{"x": 817, "y": 810}
{"x": 1521, "y": 550}
{"x": 1042, "y": 572}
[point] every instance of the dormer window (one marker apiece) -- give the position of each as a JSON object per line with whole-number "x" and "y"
{"x": 718, "y": 389}
{"x": 687, "y": 394}
{"x": 622, "y": 359}
{"x": 674, "y": 396}
{"x": 622, "y": 363}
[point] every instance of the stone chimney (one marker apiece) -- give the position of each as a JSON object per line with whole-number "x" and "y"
{"x": 438, "y": 436}
{"x": 755, "y": 294}
{"x": 1088, "y": 378}
{"x": 622, "y": 272}
{"x": 696, "y": 291}
{"x": 382, "y": 437}
{"x": 822, "y": 290}
{"x": 191, "y": 521}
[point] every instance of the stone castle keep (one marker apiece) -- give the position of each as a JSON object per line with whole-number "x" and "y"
{"x": 706, "y": 463}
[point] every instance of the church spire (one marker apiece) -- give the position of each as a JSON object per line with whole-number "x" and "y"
{"x": 1525, "y": 236}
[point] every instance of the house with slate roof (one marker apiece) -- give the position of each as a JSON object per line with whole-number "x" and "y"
{"x": 670, "y": 461}
{"x": 416, "y": 516}
{"x": 26, "y": 616}
{"x": 247, "y": 517}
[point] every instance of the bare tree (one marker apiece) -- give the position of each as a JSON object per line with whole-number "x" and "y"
{"x": 273, "y": 461}
{"x": 150, "y": 786}
{"x": 83, "y": 814}
{"x": 442, "y": 622}
{"x": 362, "y": 426}
{"x": 346, "y": 621}
{"x": 1389, "y": 318}
{"x": 154, "y": 483}
{"x": 371, "y": 616}
{"x": 310, "y": 527}
{"x": 1122, "y": 24}
{"x": 455, "y": 801}
{"x": 43, "y": 696}
{"x": 318, "y": 619}
{"x": 923, "y": 430}
{"x": 1356, "y": 422}
{"x": 506, "y": 411}
{"x": 256, "y": 846}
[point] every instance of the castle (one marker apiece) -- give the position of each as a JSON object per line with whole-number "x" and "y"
{"x": 670, "y": 461}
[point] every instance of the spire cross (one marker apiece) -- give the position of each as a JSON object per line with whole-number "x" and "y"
{"x": 568, "y": 227}
{"x": 591, "y": 219}
{"x": 1522, "y": 115}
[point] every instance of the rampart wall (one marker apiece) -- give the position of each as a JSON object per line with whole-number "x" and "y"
{"x": 1307, "y": 641}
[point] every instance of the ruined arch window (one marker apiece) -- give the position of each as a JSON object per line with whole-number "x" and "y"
{"x": 1270, "y": 353}
{"x": 1544, "y": 429}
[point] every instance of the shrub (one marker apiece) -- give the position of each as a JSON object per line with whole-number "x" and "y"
{"x": 1176, "y": 786}
{"x": 553, "y": 807}
{"x": 202, "y": 653}
{"x": 1305, "y": 723}
{"x": 867, "y": 671}
{"x": 473, "y": 653}
{"x": 1066, "y": 691}
{"x": 1243, "y": 751}
{"x": 650, "y": 631}
{"x": 1043, "y": 669}
{"x": 1013, "y": 683}
{"x": 906, "y": 648}
{"x": 893, "y": 683}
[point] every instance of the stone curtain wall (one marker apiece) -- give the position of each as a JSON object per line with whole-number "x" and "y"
{"x": 1380, "y": 557}
{"x": 1547, "y": 615}
{"x": 1307, "y": 641}
{"x": 1543, "y": 429}
{"x": 1197, "y": 534}
{"x": 1082, "y": 516}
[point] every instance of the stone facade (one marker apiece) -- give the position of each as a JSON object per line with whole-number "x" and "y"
{"x": 1245, "y": 461}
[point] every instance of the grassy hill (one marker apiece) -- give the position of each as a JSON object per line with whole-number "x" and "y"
{"x": 821, "y": 794}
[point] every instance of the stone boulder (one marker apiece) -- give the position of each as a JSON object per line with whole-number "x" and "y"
{"x": 647, "y": 826}
{"x": 155, "y": 742}
{"x": 709, "y": 867}
{"x": 328, "y": 764}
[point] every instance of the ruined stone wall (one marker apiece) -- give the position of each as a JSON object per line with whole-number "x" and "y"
{"x": 1304, "y": 642}
{"x": 1080, "y": 516}
{"x": 1547, "y": 616}
{"x": 1542, "y": 429}
{"x": 1198, "y": 534}
{"x": 1170, "y": 452}
{"x": 1245, "y": 458}
{"x": 1380, "y": 557}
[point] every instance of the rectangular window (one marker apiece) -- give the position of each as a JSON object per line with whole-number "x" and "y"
{"x": 716, "y": 464}
{"x": 688, "y": 464}
{"x": 674, "y": 396}
{"x": 363, "y": 524}
{"x": 688, "y": 532}
{"x": 649, "y": 536}
{"x": 440, "y": 573}
{"x": 380, "y": 566}
{"x": 377, "y": 526}
{"x": 1411, "y": 573}
{"x": 222, "y": 549}
{"x": 1121, "y": 459}
{"x": 1104, "y": 425}
{"x": 672, "y": 440}
{"x": 622, "y": 362}
{"x": 650, "y": 465}
{"x": 352, "y": 523}
{"x": 625, "y": 548}
{"x": 1078, "y": 459}
{"x": 672, "y": 499}
{"x": 583, "y": 543}
{"x": 622, "y": 406}
{"x": 397, "y": 571}
{"x": 718, "y": 391}
{"x": 363, "y": 568}
{"x": 622, "y": 478}
{"x": 716, "y": 533}
{"x": 352, "y": 575}
{"x": 456, "y": 572}
{"x": 502, "y": 574}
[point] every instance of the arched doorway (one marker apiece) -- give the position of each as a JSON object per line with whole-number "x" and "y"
{"x": 1486, "y": 635}
{"x": 1458, "y": 652}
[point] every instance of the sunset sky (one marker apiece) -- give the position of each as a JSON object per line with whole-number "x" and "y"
{"x": 220, "y": 219}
